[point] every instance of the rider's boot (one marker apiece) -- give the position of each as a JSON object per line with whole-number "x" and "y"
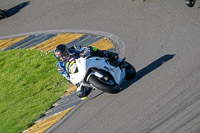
{"x": 111, "y": 55}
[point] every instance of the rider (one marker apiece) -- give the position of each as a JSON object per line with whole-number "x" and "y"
{"x": 66, "y": 58}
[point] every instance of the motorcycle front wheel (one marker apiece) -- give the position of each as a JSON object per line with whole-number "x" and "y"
{"x": 108, "y": 86}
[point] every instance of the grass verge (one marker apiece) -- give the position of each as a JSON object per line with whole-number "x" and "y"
{"x": 29, "y": 85}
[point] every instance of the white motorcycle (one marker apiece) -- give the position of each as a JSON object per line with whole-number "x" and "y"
{"x": 100, "y": 73}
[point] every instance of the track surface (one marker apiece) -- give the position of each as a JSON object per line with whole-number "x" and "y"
{"x": 161, "y": 39}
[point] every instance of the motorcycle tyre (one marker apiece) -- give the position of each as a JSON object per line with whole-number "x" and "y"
{"x": 102, "y": 86}
{"x": 130, "y": 71}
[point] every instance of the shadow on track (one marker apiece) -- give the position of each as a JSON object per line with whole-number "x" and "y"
{"x": 14, "y": 10}
{"x": 98, "y": 94}
{"x": 151, "y": 67}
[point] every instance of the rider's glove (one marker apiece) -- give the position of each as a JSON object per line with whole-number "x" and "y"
{"x": 87, "y": 51}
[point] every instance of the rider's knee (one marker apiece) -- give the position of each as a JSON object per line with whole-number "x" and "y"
{"x": 83, "y": 92}
{"x": 80, "y": 93}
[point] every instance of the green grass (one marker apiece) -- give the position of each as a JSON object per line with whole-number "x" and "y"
{"x": 29, "y": 85}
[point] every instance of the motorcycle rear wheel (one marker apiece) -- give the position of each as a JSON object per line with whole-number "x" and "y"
{"x": 130, "y": 71}
{"x": 103, "y": 86}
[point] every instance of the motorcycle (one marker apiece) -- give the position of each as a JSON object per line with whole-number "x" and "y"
{"x": 100, "y": 73}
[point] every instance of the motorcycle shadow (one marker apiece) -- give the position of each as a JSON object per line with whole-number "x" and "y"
{"x": 14, "y": 10}
{"x": 148, "y": 69}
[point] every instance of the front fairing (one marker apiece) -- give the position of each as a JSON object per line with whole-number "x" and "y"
{"x": 78, "y": 77}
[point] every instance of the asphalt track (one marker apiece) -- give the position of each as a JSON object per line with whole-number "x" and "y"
{"x": 160, "y": 38}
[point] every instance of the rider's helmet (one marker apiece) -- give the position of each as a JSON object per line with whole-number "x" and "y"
{"x": 61, "y": 52}
{"x": 190, "y": 3}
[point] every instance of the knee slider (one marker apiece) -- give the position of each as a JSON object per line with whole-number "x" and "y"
{"x": 80, "y": 93}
